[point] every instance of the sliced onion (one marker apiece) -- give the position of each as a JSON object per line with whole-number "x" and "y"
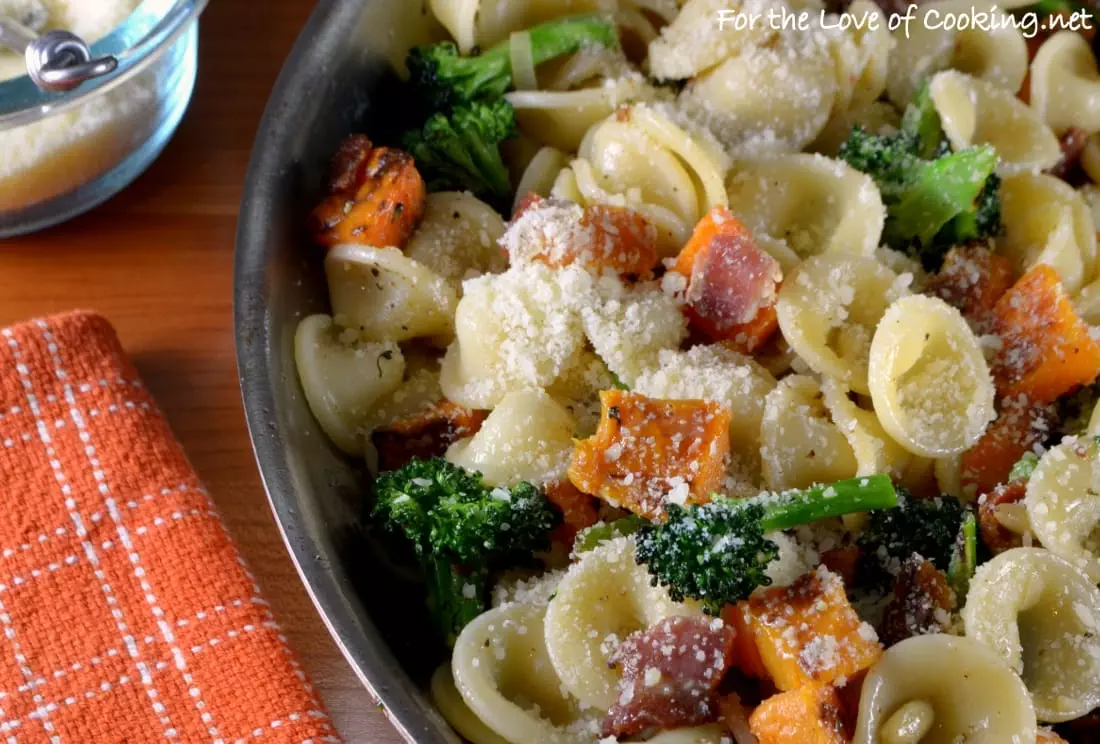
{"x": 523, "y": 61}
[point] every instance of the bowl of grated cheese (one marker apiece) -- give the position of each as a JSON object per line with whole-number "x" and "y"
{"x": 62, "y": 154}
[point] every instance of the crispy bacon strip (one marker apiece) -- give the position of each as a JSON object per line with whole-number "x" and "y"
{"x": 671, "y": 674}
{"x": 921, "y": 604}
{"x": 732, "y": 284}
{"x": 994, "y": 534}
{"x": 972, "y": 279}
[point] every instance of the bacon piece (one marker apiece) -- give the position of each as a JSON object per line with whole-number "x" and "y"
{"x": 1073, "y": 143}
{"x": 646, "y": 452}
{"x": 425, "y": 434}
{"x": 972, "y": 279}
{"x": 994, "y": 534}
{"x": 670, "y": 676}
{"x": 843, "y": 562}
{"x": 732, "y": 284}
{"x": 921, "y": 604}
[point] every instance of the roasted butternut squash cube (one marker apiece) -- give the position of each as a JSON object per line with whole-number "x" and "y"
{"x": 803, "y": 633}
{"x": 1046, "y": 349}
{"x": 647, "y": 452}
{"x": 810, "y": 714}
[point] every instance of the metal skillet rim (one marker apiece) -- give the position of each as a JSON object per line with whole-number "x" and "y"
{"x": 325, "y": 581}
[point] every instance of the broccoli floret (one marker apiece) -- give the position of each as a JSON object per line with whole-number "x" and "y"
{"x": 927, "y": 527}
{"x": 446, "y": 79}
{"x": 588, "y": 538}
{"x": 934, "y": 198}
{"x": 460, "y": 150}
{"x": 718, "y": 553}
{"x": 461, "y": 531}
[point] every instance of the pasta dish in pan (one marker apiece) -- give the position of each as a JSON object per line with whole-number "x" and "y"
{"x": 732, "y": 381}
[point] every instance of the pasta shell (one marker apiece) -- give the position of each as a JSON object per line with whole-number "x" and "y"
{"x": 343, "y": 379}
{"x": 1065, "y": 83}
{"x": 952, "y": 689}
{"x": 929, "y": 381}
{"x": 977, "y": 112}
{"x": 527, "y": 437}
{"x": 604, "y": 597}
{"x": 1063, "y": 506}
{"x": 802, "y": 205}
{"x": 457, "y": 238}
{"x": 386, "y": 295}
{"x": 1042, "y": 617}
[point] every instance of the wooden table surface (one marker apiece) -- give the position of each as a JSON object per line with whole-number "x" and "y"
{"x": 158, "y": 261}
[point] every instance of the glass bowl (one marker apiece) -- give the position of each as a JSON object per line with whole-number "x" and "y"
{"x": 62, "y": 154}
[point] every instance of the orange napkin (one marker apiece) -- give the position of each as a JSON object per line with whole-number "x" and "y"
{"x": 127, "y": 614}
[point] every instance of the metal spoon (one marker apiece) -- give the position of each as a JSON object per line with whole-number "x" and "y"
{"x": 57, "y": 61}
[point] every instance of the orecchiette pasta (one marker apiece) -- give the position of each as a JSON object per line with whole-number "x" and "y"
{"x": 940, "y": 689}
{"x": 773, "y": 99}
{"x": 1046, "y": 221}
{"x": 800, "y": 443}
{"x": 578, "y": 390}
{"x": 457, "y": 238}
{"x": 1042, "y": 617}
{"x": 1065, "y": 83}
{"x": 604, "y": 597}
{"x": 872, "y": 58}
{"x": 514, "y": 331}
{"x": 995, "y": 52}
{"x": 874, "y": 450}
{"x": 1063, "y": 505}
{"x": 628, "y": 327}
{"x": 828, "y": 311}
{"x": 479, "y": 23}
{"x": 713, "y": 734}
{"x": 344, "y": 378}
{"x": 561, "y": 118}
{"x": 386, "y": 295}
{"x": 695, "y": 41}
{"x": 642, "y": 159}
{"x": 801, "y": 205}
{"x": 977, "y": 112}
{"x": 713, "y": 373}
{"x": 507, "y": 449}
{"x": 458, "y": 714}
{"x": 504, "y": 674}
{"x": 929, "y": 380}
{"x": 539, "y": 175}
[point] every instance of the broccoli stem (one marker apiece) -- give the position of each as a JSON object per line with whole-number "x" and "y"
{"x": 964, "y": 558}
{"x": 921, "y": 122}
{"x": 833, "y": 500}
{"x": 454, "y": 597}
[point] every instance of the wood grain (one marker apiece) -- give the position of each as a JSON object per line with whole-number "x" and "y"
{"x": 158, "y": 261}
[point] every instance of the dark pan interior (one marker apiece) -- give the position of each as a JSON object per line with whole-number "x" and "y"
{"x": 337, "y": 80}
